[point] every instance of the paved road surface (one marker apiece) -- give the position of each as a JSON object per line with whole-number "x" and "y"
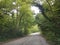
{"x": 32, "y": 39}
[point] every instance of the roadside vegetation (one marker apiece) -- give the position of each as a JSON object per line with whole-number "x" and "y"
{"x": 18, "y": 20}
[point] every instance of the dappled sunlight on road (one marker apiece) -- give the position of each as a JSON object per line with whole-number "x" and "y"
{"x": 37, "y": 33}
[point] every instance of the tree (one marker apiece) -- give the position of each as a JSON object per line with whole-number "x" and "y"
{"x": 52, "y": 11}
{"x": 16, "y": 18}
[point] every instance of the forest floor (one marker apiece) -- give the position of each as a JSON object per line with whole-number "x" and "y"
{"x": 32, "y": 39}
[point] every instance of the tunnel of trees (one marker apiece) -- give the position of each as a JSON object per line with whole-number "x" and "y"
{"x": 17, "y": 19}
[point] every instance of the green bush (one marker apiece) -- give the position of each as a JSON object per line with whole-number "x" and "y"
{"x": 51, "y": 30}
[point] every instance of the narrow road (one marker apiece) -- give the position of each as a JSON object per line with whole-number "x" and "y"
{"x": 32, "y": 39}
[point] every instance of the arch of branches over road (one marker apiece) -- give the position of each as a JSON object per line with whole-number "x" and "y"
{"x": 16, "y": 18}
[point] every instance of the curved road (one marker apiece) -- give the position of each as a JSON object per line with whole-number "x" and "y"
{"x": 32, "y": 39}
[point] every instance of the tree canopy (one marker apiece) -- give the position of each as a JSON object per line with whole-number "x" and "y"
{"x": 17, "y": 19}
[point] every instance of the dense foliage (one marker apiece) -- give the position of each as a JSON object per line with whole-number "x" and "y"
{"x": 51, "y": 30}
{"x": 16, "y": 18}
